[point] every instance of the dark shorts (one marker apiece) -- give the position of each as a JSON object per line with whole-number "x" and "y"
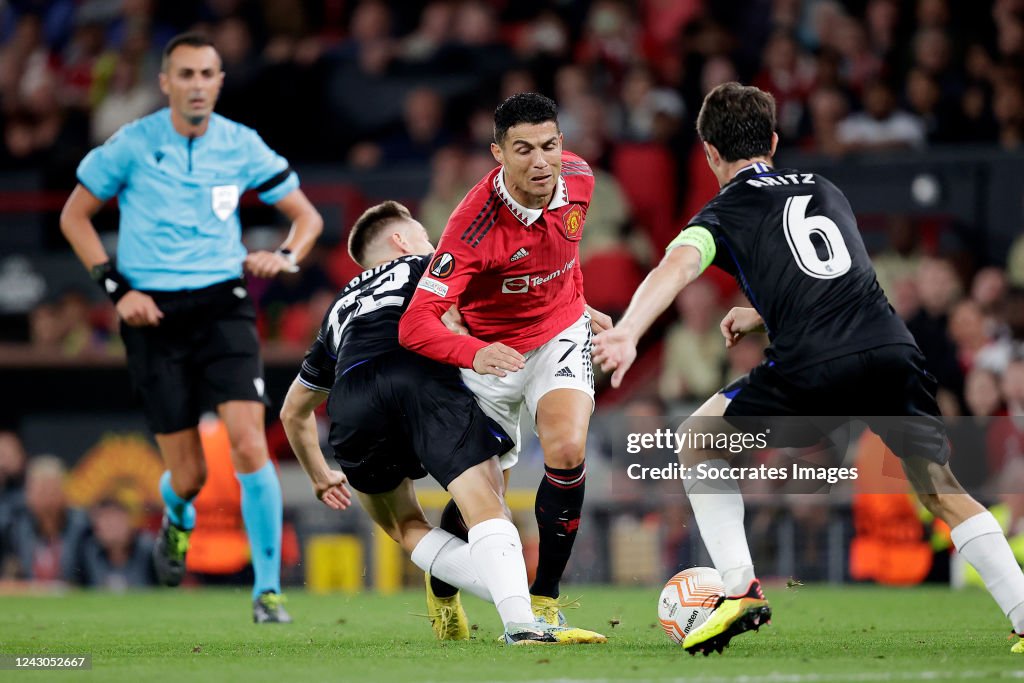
{"x": 400, "y": 416}
{"x": 886, "y": 387}
{"x": 204, "y": 352}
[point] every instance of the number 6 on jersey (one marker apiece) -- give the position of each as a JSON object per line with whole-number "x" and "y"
{"x": 801, "y": 228}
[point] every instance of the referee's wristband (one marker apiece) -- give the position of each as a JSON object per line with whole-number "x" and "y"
{"x": 110, "y": 281}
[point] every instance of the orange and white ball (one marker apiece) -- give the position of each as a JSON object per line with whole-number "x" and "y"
{"x": 687, "y": 601}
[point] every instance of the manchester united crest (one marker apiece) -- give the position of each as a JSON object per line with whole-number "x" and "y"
{"x": 572, "y": 223}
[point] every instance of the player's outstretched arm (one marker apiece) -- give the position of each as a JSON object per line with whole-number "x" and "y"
{"x": 300, "y": 427}
{"x": 307, "y": 224}
{"x": 738, "y": 323}
{"x": 615, "y": 349}
{"x": 134, "y": 307}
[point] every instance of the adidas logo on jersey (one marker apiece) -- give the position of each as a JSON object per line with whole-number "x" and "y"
{"x": 522, "y": 253}
{"x": 565, "y": 372}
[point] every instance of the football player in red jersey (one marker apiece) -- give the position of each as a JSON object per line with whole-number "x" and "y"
{"x": 508, "y": 261}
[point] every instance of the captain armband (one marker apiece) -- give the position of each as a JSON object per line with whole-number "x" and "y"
{"x": 701, "y": 239}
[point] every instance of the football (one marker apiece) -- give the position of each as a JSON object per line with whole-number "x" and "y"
{"x": 687, "y": 601}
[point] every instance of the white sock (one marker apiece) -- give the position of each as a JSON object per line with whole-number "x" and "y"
{"x": 718, "y": 508}
{"x": 497, "y": 553}
{"x": 981, "y": 541}
{"x": 447, "y": 557}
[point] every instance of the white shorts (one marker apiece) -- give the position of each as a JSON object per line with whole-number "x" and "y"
{"x": 562, "y": 363}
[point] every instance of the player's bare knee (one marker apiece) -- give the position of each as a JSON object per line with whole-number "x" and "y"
{"x": 565, "y": 452}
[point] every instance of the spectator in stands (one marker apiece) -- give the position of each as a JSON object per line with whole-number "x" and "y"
{"x": 1005, "y": 436}
{"x": 967, "y": 331}
{"x": 1008, "y": 109}
{"x": 938, "y": 289}
{"x": 882, "y": 19}
{"x": 46, "y": 328}
{"x": 933, "y": 55}
{"x": 44, "y": 537}
{"x": 859, "y": 64}
{"x": 982, "y": 393}
{"x": 788, "y": 74}
{"x": 545, "y": 37}
{"x": 1010, "y": 343}
{"x": 988, "y": 290}
{"x": 924, "y": 100}
{"x": 447, "y": 188}
{"x": 695, "y": 336}
{"x": 423, "y": 44}
{"x": 611, "y": 37}
{"x": 901, "y": 257}
{"x": 422, "y": 133}
{"x": 1009, "y": 31}
{"x": 118, "y": 554}
{"x": 516, "y": 81}
{"x": 881, "y": 126}
{"x": 827, "y": 106}
{"x": 12, "y": 479}
{"x": 649, "y": 113}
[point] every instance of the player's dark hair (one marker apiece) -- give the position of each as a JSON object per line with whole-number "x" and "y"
{"x": 371, "y": 224}
{"x": 738, "y": 120}
{"x": 524, "y": 107}
{"x": 190, "y": 39}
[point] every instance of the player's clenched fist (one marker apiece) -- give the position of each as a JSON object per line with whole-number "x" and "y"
{"x": 739, "y": 322}
{"x": 138, "y": 309}
{"x": 498, "y": 359}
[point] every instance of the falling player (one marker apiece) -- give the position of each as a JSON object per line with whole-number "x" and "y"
{"x": 395, "y": 416}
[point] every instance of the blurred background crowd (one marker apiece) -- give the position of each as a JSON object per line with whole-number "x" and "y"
{"x": 404, "y": 92}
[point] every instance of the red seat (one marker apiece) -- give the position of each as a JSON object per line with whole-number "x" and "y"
{"x": 609, "y": 280}
{"x": 647, "y": 173}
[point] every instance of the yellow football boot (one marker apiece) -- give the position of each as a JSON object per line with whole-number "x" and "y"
{"x": 732, "y": 617}
{"x": 446, "y": 615}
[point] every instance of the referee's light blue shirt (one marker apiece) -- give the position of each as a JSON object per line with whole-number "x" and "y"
{"x": 178, "y": 197}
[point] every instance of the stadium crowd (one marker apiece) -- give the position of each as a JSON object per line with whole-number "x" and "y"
{"x": 374, "y": 85}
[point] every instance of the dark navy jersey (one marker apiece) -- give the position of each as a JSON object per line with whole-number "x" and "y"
{"x": 362, "y": 323}
{"x": 791, "y": 241}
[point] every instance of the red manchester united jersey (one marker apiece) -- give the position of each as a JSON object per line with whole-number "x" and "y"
{"x": 513, "y": 272}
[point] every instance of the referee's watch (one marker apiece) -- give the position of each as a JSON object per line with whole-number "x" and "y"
{"x": 291, "y": 258}
{"x": 113, "y": 283}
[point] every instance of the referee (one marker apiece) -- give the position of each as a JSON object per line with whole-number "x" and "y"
{"x": 186, "y": 318}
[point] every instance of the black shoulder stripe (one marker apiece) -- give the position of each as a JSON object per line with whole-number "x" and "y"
{"x": 492, "y": 214}
{"x": 274, "y": 181}
{"x": 480, "y": 215}
{"x": 483, "y": 233}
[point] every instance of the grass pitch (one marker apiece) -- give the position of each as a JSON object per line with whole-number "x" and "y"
{"x": 817, "y": 634}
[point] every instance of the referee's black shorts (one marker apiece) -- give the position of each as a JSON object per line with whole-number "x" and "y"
{"x": 204, "y": 352}
{"x": 887, "y": 387}
{"x": 400, "y": 415}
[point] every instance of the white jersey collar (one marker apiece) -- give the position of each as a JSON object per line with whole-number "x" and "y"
{"x": 529, "y": 216}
